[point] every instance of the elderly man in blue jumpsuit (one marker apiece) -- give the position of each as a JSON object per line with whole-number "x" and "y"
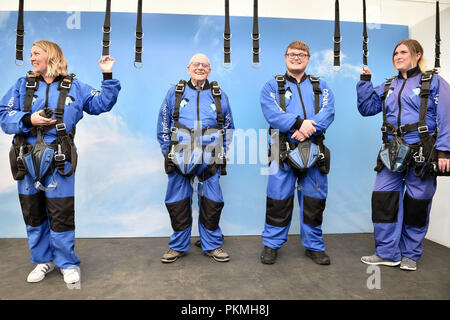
{"x": 194, "y": 129}
{"x": 301, "y": 116}
{"x": 42, "y": 110}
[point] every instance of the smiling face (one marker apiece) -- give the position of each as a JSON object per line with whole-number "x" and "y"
{"x": 199, "y": 69}
{"x": 403, "y": 59}
{"x": 296, "y": 60}
{"x": 38, "y": 59}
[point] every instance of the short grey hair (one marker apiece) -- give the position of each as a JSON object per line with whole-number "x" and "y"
{"x": 198, "y": 55}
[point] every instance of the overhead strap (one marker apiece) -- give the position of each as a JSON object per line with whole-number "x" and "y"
{"x": 337, "y": 37}
{"x": 139, "y": 35}
{"x": 255, "y": 36}
{"x": 20, "y": 32}
{"x": 365, "y": 36}
{"x": 437, "y": 48}
{"x": 227, "y": 37}
{"x": 106, "y": 43}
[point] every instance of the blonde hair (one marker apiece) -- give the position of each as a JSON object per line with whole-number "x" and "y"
{"x": 298, "y": 45}
{"x": 56, "y": 62}
{"x": 414, "y": 48}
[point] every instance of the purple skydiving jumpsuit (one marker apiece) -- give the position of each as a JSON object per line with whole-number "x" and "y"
{"x": 401, "y": 218}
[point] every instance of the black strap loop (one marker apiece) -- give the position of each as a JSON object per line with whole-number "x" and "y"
{"x": 139, "y": 35}
{"x": 337, "y": 36}
{"x": 437, "y": 48}
{"x": 255, "y": 35}
{"x": 107, "y": 30}
{"x": 227, "y": 37}
{"x": 365, "y": 36}
{"x": 20, "y": 33}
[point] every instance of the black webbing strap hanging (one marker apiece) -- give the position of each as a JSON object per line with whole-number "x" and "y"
{"x": 255, "y": 36}
{"x": 437, "y": 48}
{"x": 281, "y": 81}
{"x": 139, "y": 35}
{"x": 227, "y": 37}
{"x": 365, "y": 36}
{"x": 20, "y": 32}
{"x": 337, "y": 38}
{"x": 106, "y": 43}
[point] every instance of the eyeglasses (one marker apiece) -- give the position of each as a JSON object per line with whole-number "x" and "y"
{"x": 198, "y": 64}
{"x": 292, "y": 55}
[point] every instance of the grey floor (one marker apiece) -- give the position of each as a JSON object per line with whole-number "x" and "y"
{"x": 129, "y": 268}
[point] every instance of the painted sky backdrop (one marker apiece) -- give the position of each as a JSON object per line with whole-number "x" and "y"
{"x": 120, "y": 180}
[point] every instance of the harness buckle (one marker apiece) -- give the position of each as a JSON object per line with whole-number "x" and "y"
{"x": 59, "y": 156}
{"x": 418, "y": 156}
{"x": 422, "y": 129}
{"x": 320, "y": 156}
{"x": 216, "y": 90}
{"x": 31, "y": 86}
{"x": 383, "y": 129}
{"x": 174, "y": 130}
{"x": 221, "y": 132}
{"x": 63, "y": 84}
{"x": 426, "y": 77}
{"x": 179, "y": 88}
{"x": 60, "y": 127}
{"x": 402, "y": 129}
{"x": 279, "y": 78}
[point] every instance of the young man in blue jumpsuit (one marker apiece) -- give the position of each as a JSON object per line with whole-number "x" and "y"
{"x": 197, "y": 112}
{"x": 48, "y": 203}
{"x": 401, "y": 200}
{"x": 299, "y": 122}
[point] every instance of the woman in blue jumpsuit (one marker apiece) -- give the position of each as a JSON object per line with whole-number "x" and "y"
{"x": 48, "y": 201}
{"x": 401, "y": 199}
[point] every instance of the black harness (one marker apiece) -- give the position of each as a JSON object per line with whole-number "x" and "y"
{"x": 62, "y": 145}
{"x": 423, "y": 156}
{"x": 211, "y": 169}
{"x": 285, "y": 145}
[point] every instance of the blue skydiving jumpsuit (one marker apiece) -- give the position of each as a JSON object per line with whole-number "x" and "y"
{"x": 49, "y": 215}
{"x": 401, "y": 218}
{"x": 197, "y": 111}
{"x": 312, "y": 189}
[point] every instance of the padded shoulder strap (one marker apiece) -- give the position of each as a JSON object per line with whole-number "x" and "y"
{"x": 179, "y": 91}
{"x": 281, "y": 81}
{"x": 217, "y": 95}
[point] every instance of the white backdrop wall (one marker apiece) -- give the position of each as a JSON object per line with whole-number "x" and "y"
{"x": 418, "y": 15}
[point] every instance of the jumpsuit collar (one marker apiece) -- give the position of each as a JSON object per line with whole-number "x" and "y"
{"x": 410, "y": 73}
{"x": 292, "y": 79}
{"x": 205, "y": 86}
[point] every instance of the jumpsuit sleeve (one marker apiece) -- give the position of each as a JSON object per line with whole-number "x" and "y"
{"x": 228, "y": 124}
{"x": 369, "y": 98}
{"x": 10, "y": 110}
{"x": 325, "y": 116}
{"x": 442, "y": 99}
{"x": 275, "y": 116}
{"x": 165, "y": 120}
{"x": 98, "y": 101}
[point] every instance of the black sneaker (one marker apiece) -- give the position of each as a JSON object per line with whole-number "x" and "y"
{"x": 319, "y": 257}
{"x": 268, "y": 255}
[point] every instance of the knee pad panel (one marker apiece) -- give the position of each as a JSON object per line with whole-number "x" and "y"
{"x": 210, "y": 213}
{"x": 385, "y": 206}
{"x": 279, "y": 212}
{"x": 313, "y": 210}
{"x": 33, "y": 208}
{"x": 61, "y": 212}
{"x": 415, "y": 211}
{"x": 180, "y": 214}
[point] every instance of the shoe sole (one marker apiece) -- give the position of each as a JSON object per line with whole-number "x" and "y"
{"x": 39, "y": 280}
{"x": 382, "y": 263}
{"x": 218, "y": 259}
{"x": 408, "y": 268}
{"x": 163, "y": 260}
{"x": 72, "y": 282}
{"x": 267, "y": 262}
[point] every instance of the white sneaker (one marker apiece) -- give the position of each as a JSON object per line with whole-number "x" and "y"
{"x": 40, "y": 271}
{"x": 71, "y": 275}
